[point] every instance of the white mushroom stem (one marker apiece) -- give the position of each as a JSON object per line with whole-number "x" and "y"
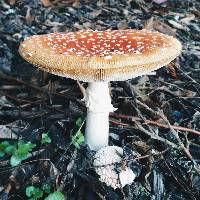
{"x": 98, "y": 103}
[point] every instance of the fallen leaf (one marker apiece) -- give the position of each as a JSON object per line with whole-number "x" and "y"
{"x": 196, "y": 13}
{"x": 12, "y": 2}
{"x": 154, "y": 24}
{"x": 148, "y": 24}
{"x": 187, "y": 19}
{"x": 95, "y": 13}
{"x": 76, "y": 4}
{"x": 46, "y": 3}
{"x": 122, "y": 25}
{"x": 29, "y": 18}
{"x": 172, "y": 70}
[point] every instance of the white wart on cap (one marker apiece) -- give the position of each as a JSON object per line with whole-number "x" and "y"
{"x": 111, "y": 55}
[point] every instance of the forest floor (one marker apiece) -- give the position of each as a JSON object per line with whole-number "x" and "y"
{"x": 158, "y": 115}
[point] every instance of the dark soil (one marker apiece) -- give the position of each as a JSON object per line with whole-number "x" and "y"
{"x": 158, "y": 116}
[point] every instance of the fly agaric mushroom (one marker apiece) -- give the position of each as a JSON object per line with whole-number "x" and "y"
{"x": 98, "y": 57}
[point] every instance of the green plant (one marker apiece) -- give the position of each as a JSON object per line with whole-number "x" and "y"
{"x": 78, "y": 138}
{"x": 45, "y": 139}
{"x": 33, "y": 193}
{"x": 20, "y": 152}
{"x": 55, "y": 196}
{"x": 46, "y": 188}
{"x": 6, "y": 147}
{"x": 79, "y": 122}
{"x": 144, "y": 191}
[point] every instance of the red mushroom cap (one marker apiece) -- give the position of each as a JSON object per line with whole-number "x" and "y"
{"x": 100, "y": 55}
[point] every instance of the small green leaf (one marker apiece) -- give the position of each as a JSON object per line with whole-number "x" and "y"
{"x": 2, "y": 154}
{"x": 37, "y": 193}
{"x": 33, "y": 192}
{"x": 29, "y": 191}
{"x": 79, "y": 122}
{"x": 46, "y": 188}
{"x": 78, "y": 139}
{"x": 10, "y": 149}
{"x": 3, "y": 146}
{"x": 23, "y": 148}
{"x": 55, "y": 196}
{"x": 5, "y": 143}
{"x": 14, "y": 161}
{"x": 45, "y": 139}
{"x": 21, "y": 152}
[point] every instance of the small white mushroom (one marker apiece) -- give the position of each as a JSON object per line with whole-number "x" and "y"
{"x": 107, "y": 165}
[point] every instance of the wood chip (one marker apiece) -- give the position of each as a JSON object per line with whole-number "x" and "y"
{"x": 12, "y": 2}
{"x": 154, "y": 24}
{"x": 29, "y": 18}
{"x": 122, "y": 25}
{"x": 95, "y": 13}
{"x": 46, "y": 3}
{"x": 176, "y": 24}
{"x": 188, "y": 19}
